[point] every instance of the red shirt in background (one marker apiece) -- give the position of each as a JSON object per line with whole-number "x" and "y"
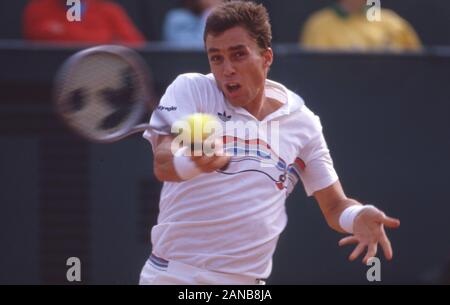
{"x": 101, "y": 22}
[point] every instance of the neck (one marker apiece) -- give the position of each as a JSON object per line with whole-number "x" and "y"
{"x": 263, "y": 107}
{"x": 255, "y": 108}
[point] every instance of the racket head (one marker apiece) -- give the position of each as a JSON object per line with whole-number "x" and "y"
{"x": 102, "y": 93}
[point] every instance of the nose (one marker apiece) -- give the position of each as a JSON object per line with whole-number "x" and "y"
{"x": 228, "y": 69}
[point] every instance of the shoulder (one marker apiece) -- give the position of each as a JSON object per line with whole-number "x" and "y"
{"x": 305, "y": 119}
{"x": 194, "y": 76}
{"x": 389, "y": 14}
{"x": 200, "y": 88}
{"x": 321, "y": 17}
{"x": 192, "y": 92}
{"x": 279, "y": 91}
{"x": 391, "y": 18}
{"x": 306, "y": 125}
{"x": 195, "y": 80}
{"x": 308, "y": 115}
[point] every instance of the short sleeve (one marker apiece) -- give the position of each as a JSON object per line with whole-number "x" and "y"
{"x": 180, "y": 99}
{"x": 319, "y": 172}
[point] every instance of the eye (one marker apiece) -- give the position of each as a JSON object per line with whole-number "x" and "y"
{"x": 215, "y": 58}
{"x": 239, "y": 55}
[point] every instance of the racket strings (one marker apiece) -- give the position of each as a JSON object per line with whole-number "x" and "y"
{"x": 99, "y": 94}
{"x": 121, "y": 99}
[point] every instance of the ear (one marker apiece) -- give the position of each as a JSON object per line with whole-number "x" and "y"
{"x": 268, "y": 57}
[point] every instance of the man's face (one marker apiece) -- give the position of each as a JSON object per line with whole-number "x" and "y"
{"x": 239, "y": 66}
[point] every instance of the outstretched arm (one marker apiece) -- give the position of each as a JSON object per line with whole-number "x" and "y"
{"x": 368, "y": 225}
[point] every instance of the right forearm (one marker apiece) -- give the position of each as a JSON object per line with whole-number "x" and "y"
{"x": 163, "y": 166}
{"x": 180, "y": 167}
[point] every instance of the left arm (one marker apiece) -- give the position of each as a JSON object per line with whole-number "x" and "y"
{"x": 320, "y": 180}
{"x": 368, "y": 225}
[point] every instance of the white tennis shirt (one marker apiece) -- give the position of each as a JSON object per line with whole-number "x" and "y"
{"x": 229, "y": 221}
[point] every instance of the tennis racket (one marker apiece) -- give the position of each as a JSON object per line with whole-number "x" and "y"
{"x": 102, "y": 93}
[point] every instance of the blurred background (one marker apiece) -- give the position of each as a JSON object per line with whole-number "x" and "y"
{"x": 380, "y": 88}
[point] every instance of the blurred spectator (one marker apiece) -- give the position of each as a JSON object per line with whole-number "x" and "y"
{"x": 345, "y": 26}
{"x": 184, "y": 25}
{"x": 101, "y": 22}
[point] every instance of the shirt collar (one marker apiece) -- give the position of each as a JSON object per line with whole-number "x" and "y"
{"x": 291, "y": 101}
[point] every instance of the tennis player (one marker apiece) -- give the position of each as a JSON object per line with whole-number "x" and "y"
{"x": 221, "y": 216}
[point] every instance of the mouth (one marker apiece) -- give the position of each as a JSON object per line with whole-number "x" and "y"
{"x": 232, "y": 88}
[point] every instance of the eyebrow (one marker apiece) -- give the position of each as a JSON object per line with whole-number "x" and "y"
{"x": 233, "y": 48}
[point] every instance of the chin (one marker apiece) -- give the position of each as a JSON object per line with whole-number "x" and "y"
{"x": 237, "y": 102}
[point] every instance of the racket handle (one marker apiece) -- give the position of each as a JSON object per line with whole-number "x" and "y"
{"x": 140, "y": 128}
{"x": 135, "y": 129}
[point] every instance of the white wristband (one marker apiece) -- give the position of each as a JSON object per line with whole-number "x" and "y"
{"x": 348, "y": 216}
{"x": 184, "y": 166}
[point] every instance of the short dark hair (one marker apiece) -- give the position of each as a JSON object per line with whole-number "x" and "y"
{"x": 253, "y": 17}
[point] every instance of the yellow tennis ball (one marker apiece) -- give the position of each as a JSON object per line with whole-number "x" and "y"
{"x": 201, "y": 126}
